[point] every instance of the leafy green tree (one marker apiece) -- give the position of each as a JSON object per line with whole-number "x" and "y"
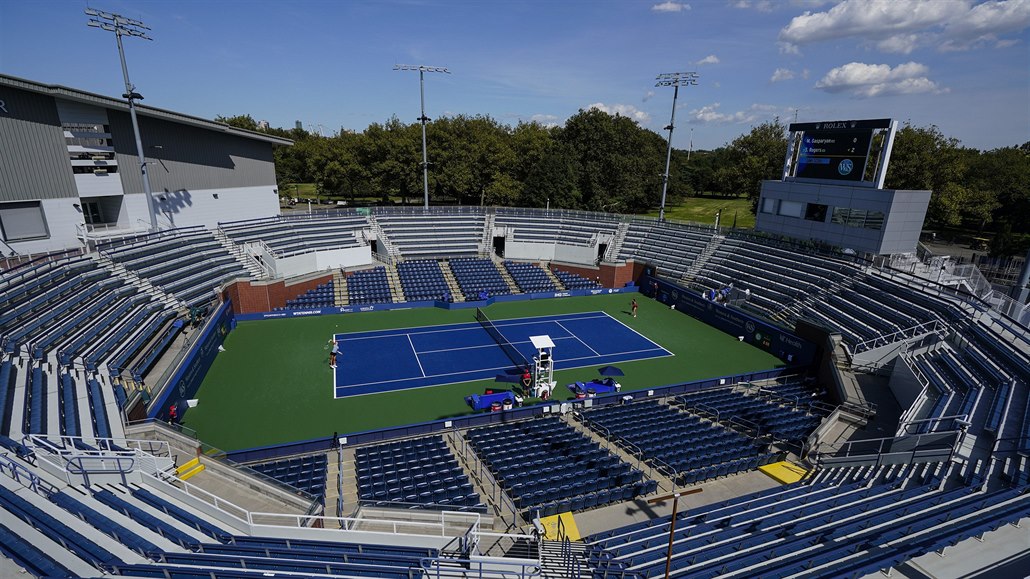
{"x": 752, "y": 158}
{"x": 239, "y": 121}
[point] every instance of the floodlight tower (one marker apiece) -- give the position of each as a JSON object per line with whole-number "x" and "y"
{"x": 122, "y": 26}
{"x": 422, "y": 69}
{"x": 675, "y": 80}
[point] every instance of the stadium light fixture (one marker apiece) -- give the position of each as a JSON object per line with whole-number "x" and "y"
{"x": 122, "y": 26}
{"x": 675, "y": 496}
{"x": 422, "y": 69}
{"x": 675, "y": 80}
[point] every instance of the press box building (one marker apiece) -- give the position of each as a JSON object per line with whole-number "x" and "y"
{"x": 69, "y": 169}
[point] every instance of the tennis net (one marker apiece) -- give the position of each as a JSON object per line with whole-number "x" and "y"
{"x": 511, "y": 351}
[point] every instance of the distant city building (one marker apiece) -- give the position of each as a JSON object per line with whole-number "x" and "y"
{"x": 263, "y": 125}
{"x": 299, "y": 125}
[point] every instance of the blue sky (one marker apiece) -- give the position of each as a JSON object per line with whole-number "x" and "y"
{"x": 962, "y": 65}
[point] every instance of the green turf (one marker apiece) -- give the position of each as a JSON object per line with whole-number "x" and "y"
{"x": 273, "y": 384}
{"x": 703, "y": 210}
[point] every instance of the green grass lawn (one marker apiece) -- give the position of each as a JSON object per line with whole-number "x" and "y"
{"x": 703, "y": 210}
{"x": 273, "y": 385}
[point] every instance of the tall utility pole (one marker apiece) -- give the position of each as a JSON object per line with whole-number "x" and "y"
{"x": 122, "y": 26}
{"x": 675, "y": 80}
{"x": 422, "y": 69}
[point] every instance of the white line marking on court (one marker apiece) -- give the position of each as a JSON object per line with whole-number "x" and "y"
{"x": 415, "y": 352}
{"x": 470, "y": 326}
{"x": 638, "y": 333}
{"x": 573, "y": 335}
{"x": 490, "y": 345}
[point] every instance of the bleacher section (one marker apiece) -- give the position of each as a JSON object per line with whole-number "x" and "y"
{"x": 697, "y": 449}
{"x": 369, "y": 286}
{"x": 185, "y": 263}
{"x": 319, "y": 297}
{"x": 306, "y": 473}
{"x": 417, "y": 473}
{"x": 671, "y": 247}
{"x": 563, "y": 227}
{"x": 840, "y": 524}
{"x": 545, "y": 465}
{"x": 422, "y": 280}
{"x": 529, "y": 277}
{"x": 440, "y": 233}
{"x": 299, "y": 233}
{"x": 773, "y": 416}
{"x": 573, "y": 280}
{"x": 477, "y": 275}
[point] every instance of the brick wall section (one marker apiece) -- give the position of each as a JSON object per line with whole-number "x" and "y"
{"x": 607, "y": 274}
{"x": 253, "y": 297}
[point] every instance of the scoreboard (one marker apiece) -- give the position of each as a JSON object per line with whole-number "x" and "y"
{"x": 833, "y": 150}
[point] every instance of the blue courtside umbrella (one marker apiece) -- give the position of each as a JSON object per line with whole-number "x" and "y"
{"x": 611, "y": 371}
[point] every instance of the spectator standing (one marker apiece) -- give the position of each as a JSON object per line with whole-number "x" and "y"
{"x": 633, "y": 306}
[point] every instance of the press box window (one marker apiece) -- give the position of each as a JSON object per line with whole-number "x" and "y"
{"x": 791, "y": 208}
{"x": 769, "y": 205}
{"x": 815, "y": 212}
{"x": 22, "y": 220}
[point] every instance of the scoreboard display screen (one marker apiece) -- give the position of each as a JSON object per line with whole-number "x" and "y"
{"x": 834, "y": 150}
{"x": 834, "y": 154}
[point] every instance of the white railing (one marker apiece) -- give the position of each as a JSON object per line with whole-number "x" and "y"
{"x": 932, "y": 326}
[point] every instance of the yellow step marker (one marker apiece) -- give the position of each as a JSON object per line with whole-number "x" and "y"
{"x": 195, "y": 470}
{"x": 551, "y": 527}
{"x": 784, "y": 472}
{"x": 187, "y": 466}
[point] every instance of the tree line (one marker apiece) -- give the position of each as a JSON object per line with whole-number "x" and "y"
{"x": 602, "y": 162}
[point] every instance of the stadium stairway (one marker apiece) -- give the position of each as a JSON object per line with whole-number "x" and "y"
{"x": 396, "y": 289}
{"x": 499, "y": 264}
{"x": 486, "y": 244}
{"x": 236, "y": 250}
{"x": 702, "y": 258}
{"x": 452, "y": 283}
{"x": 558, "y": 560}
{"x": 340, "y": 296}
{"x": 144, "y": 285}
{"x": 617, "y": 241}
{"x": 554, "y": 279}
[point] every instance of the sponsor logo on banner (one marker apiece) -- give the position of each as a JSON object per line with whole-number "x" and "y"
{"x": 749, "y": 326}
{"x": 562, "y": 294}
{"x": 597, "y": 291}
{"x": 366, "y": 309}
{"x": 277, "y": 315}
{"x": 307, "y": 313}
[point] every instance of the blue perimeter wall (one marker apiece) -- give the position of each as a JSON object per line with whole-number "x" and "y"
{"x": 431, "y": 304}
{"x": 773, "y": 339}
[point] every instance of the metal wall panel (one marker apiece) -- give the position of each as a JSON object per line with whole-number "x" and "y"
{"x": 183, "y": 157}
{"x": 33, "y": 154}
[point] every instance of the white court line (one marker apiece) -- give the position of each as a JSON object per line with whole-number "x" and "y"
{"x": 573, "y": 335}
{"x": 471, "y": 326}
{"x": 490, "y": 345}
{"x": 638, "y": 333}
{"x": 415, "y": 352}
{"x": 496, "y": 368}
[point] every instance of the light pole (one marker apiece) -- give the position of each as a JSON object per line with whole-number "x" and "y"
{"x": 122, "y": 26}
{"x": 675, "y": 496}
{"x": 675, "y": 80}
{"x": 422, "y": 69}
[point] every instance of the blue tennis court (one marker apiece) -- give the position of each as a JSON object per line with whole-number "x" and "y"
{"x": 379, "y": 361}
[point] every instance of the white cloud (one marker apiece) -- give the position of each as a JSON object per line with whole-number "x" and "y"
{"x": 781, "y": 74}
{"x": 670, "y": 6}
{"x": 545, "y": 120}
{"x": 869, "y": 80}
{"x": 804, "y": 73}
{"x": 710, "y": 59}
{"x": 629, "y": 111}
{"x": 759, "y": 5}
{"x": 709, "y": 114}
{"x": 648, "y": 96}
{"x": 900, "y": 26}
